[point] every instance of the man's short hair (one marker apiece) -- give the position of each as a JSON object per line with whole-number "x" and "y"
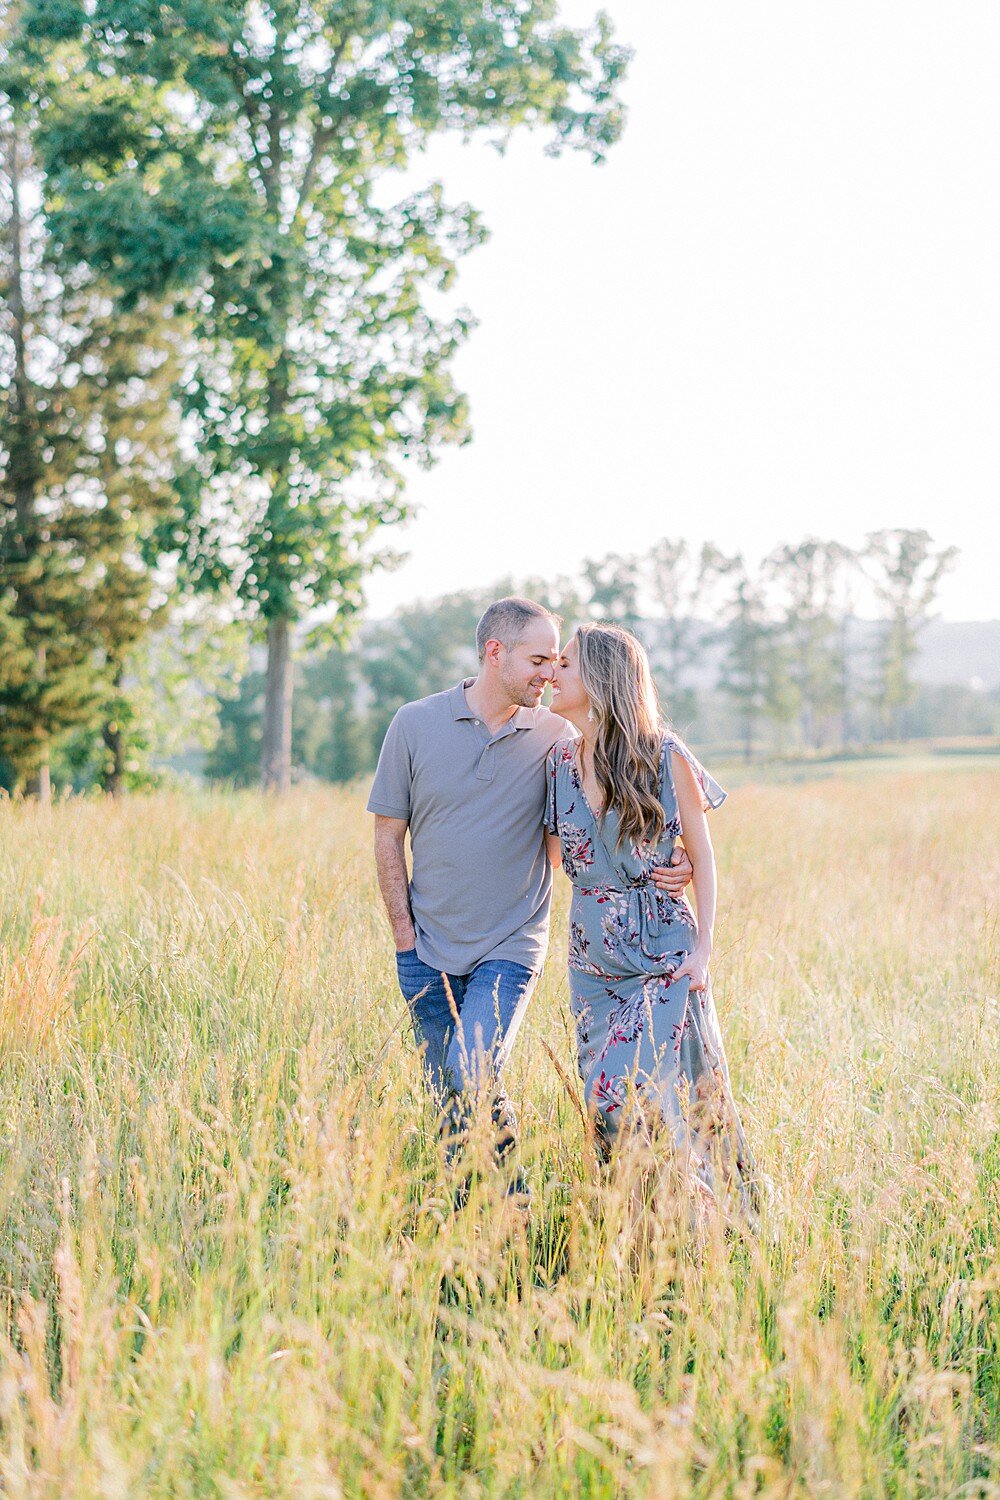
{"x": 507, "y": 620}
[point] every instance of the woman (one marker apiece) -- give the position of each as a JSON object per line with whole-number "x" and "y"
{"x": 618, "y": 798}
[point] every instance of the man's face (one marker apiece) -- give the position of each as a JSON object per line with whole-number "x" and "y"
{"x": 526, "y": 667}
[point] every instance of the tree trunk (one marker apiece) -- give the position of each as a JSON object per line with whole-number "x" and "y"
{"x": 276, "y": 741}
{"x": 40, "y": 785}
{"x": 276, "y": 745}
{"x": 24, "y": 464}
{"x": 846, "y": 686}
{"x": 113, "y": 735}
{"x": 113, "y": 776}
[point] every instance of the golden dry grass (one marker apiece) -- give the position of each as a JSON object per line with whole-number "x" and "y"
{"x": 227, "y": 1263}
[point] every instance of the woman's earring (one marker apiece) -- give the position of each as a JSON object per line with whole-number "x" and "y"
{"x": 590, "y": 715}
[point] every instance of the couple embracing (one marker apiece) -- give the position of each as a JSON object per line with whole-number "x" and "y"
{"x": 495, "y": 790}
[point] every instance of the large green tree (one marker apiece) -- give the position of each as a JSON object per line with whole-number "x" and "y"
{"x": 250, "y": 155}
{"x": 84, "y": 476}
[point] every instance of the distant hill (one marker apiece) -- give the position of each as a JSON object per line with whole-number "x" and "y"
{"x": 952, "y": 653}
{"x": 961, "y": 652}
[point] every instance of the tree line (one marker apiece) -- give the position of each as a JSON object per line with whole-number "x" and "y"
{"x": 223, "y": 335}
{"x": 747, "y": 658}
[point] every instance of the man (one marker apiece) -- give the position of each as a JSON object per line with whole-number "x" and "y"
{"x": 463, "y": 772}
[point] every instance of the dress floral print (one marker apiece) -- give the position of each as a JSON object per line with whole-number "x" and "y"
{"x": 641, "y": 1034}
{"x": 577, "y": 850}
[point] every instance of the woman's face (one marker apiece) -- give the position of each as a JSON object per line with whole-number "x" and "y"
{"x": 569, "y": 696}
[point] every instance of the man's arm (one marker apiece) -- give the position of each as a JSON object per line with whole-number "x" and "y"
{"x": 393, "y": 881}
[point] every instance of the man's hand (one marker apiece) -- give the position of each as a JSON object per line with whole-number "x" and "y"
{"x": 674, "y": 877}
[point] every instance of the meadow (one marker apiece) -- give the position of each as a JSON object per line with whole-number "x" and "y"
{"x": 228, "y": 1262}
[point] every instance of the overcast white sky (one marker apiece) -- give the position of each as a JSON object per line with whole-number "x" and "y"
{"x": 774, "y": 311}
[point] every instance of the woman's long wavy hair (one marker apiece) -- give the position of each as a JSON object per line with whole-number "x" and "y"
{"x": 628, "y": 738}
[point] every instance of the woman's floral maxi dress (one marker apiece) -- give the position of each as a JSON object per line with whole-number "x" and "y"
{"x": 641, "y": 1035}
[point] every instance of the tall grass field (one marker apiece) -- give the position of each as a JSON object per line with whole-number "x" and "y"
{"x": 229, "y": 1264}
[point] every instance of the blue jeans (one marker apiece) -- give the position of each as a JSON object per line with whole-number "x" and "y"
{"x": 465, "y": 1025}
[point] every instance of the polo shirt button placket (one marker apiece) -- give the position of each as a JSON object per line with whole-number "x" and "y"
{"x": 484, "y": 770}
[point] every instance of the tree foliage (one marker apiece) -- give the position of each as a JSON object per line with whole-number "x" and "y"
{"x": 683, "y": 591}
{"x": 247, "y": 157}
{"x": 807, "y": 579}
{"x": 906, "y": 571}
{"x": 85, "y": 478}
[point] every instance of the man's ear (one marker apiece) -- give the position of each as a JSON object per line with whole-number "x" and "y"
{"x": 493, "y": 649}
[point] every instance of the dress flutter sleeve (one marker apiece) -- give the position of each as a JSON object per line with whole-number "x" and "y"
{"x": 712, "y": 794}
{"x": 551, "y": 819}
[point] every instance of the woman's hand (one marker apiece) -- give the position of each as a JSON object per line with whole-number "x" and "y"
{"x": 695, "y": 968}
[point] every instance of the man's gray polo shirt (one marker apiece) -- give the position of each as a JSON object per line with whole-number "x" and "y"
{"x": 481, "y": 880}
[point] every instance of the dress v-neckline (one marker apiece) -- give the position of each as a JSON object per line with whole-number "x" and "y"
{"x": 597, "y": 816}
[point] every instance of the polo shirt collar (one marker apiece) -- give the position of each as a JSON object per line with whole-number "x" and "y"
{"x": 459, "y": 703}
{"x": 523, "y": 717}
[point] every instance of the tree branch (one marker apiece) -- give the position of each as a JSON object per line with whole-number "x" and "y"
{"x": 323, "y": 134}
